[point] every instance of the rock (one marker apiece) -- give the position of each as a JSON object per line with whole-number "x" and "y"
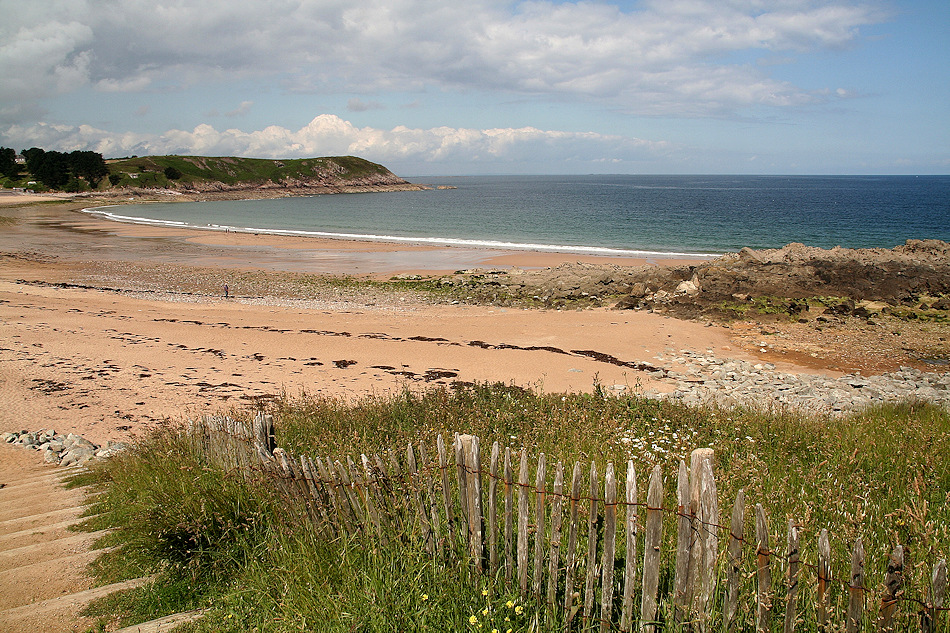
{"x": 51, "y": 457}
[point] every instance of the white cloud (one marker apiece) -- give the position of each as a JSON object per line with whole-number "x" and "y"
{"x": 665, "y": 56}
{"x": 328, "y": 135}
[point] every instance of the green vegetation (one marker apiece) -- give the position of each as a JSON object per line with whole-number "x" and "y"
{"x": 160, "y": 171}
{"x": 219, "y": 541}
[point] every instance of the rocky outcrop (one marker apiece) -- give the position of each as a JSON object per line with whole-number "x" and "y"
{"x": 905, "y": 275}
{"x": 62, "y": 450}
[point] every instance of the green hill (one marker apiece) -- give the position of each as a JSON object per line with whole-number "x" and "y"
{"x": 201, "y": 173}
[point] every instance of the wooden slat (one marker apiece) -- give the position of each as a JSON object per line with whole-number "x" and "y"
{"x": 592, "y": 542}
{"x": 421, "y": 510}
{"x": 936, "y": 596}
{"x": 791, "y": 579}
{"x": 763, "y": 572}
{"x": 734, "y": 562}
{"x": 630, "y": 544}
{"x": 610, "y": 541}
{"x": 824, "y": 580}
{"x": 462, "y": 482}
{"x": 450, "y": 527}
{"x": 653, "y": 536}
{"x": 539, "y": 527}
{"x": 570, "y": 560}
{"x": 435, "y": 522}
{"x": 855, "y": 618}
{"x": 684, "y": 538}
{"x": 523, "y": 523}
{"x": 509, "y": 517}
{"x": 893, "y": 589}
{"x": 556, "y": 519}
{"x": 476, "y": 541}
{"x": 368, "y": 498}
{"x": 493, "y": 509}
{"x": 708, "y": 537}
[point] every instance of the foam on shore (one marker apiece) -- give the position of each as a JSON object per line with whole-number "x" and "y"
{"x": 415, "y": 240}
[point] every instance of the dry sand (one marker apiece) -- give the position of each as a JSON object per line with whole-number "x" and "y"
{"x": 107, "y": 364}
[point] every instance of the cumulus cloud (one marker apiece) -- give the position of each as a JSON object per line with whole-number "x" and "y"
{"x": 663, "y": 56}
{"x": 330, "y": 135}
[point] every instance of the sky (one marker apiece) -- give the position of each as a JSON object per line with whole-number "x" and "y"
{"x": 435, "y": 87}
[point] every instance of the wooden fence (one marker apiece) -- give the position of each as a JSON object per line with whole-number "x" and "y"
{"x": 584, "y": 548}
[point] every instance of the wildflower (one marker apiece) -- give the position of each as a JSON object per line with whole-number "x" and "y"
{"x": 509, "y": 604}
{"x": 519, "y": 609}
{"x": 484, "y": 592}
{"x": 472, "y": 619}
{"x": 485, "y": 611}
{"x": 425, "y": 597}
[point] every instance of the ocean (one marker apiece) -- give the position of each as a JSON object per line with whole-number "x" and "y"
{"x": 614, "y": 215}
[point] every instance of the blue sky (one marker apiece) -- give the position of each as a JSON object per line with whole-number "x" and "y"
{"x": 430, "y": 87}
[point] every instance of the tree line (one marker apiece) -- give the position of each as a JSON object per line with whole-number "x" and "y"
{"x": 56, "y": 170}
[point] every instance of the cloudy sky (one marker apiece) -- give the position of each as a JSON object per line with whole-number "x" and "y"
{"x": 433, "y": 87}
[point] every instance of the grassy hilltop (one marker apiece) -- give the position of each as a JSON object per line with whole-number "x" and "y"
{"x": 201, "y": 172}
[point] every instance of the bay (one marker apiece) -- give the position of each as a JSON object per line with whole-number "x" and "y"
{"x": 612, "y": 214}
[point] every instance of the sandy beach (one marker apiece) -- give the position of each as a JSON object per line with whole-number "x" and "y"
{"x": 107, "y": 363}
{"x": 107, "y": 328}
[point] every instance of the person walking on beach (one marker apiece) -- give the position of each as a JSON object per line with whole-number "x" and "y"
{"x": 225, "y": 291}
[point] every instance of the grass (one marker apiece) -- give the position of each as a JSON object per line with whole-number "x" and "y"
{"x": 881, "y": 474}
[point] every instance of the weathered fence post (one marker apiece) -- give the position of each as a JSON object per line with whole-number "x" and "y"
{"x": 556, "y": 518}
{"x": 493, "y": 509}
{"x": 684, "y": 538}
{"x": 936, "y": 595}
{"x": 855, "y": 618}
{"x": 651, "y": 551}
{"x": 451, "y": 529}
{"x": 708, "y": 536}
{"x": 509, "y": 517}
{"x": 630, "y": 543}
{"x": 571, "y": 560}
{"x": 539, "y": 531}
{"x": 824, "y": 579}
{"x": 734, "y": 561}
{"x": 592, "y": 539}
{"x": 523, "y": 523}
{"x": 791, "y": 580}
{"x": 610, "y": 543}
{"x": 462, "y": 478}
{"x": 471, "y": 456}
{"x": 434, "y": 520}
{"x": 763, "y": 571}
{"x": 893, "y": 588}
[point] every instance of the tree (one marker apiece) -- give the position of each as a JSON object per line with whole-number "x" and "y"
{"x": 115, "y": 179}
{"x": 172, "y": 173}
{"x": 88, "y": 165}
{"x": 50, "y": 168}
{"x": 8, "y": 166}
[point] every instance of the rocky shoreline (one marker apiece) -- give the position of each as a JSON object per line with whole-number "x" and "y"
{"x": 704, "y": 379}
{"x": 62, "y": 450}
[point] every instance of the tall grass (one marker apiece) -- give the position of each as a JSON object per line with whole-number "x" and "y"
{"x": 882, "y": 475}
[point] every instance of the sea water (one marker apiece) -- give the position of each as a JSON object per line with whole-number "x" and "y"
{"x": 612, "y": 214}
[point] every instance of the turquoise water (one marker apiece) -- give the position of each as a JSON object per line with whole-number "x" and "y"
{"x": 632, "y": 215}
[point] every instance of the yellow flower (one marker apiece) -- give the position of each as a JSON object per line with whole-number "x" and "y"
{"x": 484, "y": 592}
{"x": 472, "y": 619}
{"x": 495, "y": 631}
{"x": 519, "y": 609}
{"x": 425, "y": 597}
{"x": 485, "y": 611}
{"x": 509, "y": 604}
{"x": 507, "y": 619}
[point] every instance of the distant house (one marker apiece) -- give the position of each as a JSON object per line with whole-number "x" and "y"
{"x": 19, "y": 159}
